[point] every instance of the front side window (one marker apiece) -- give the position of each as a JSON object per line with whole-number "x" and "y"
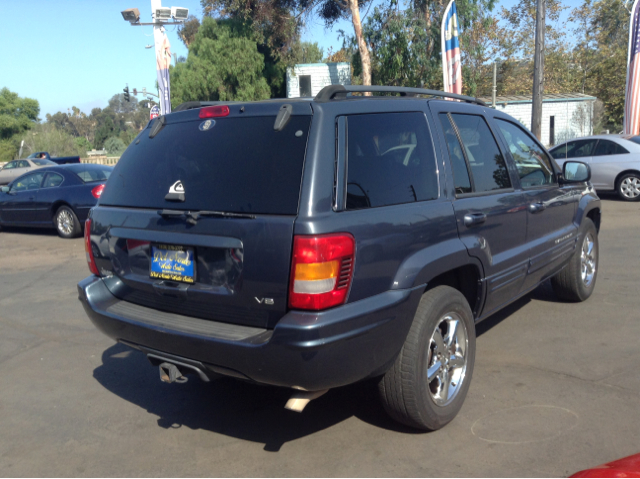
{"x": 28, "y": 182}
{"x": 11, "y": 165}
{"x": 534, "y": 167}
{"x": 607, "y": 147}
{"x": 579, "y": 149}
{"x": 487, "y": 165}
{"x": 390, "y": 160}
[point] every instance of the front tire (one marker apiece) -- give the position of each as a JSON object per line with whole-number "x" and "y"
{"x": 577, "y": 280}
{"x": 429, "y": 380}
{"x": 628, "y": 187}
{"x": 66, "y": 223}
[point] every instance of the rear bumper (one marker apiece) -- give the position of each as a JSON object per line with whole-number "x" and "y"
{"x": 308, "y": 350}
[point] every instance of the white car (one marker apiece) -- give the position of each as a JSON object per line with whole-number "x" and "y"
{"x": 13, "y": 169}
{"x": 614, "y": 162}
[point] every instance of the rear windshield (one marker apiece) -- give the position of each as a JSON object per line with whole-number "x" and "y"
{"x": 44, "y": 162}
{"x": 93, "y": 174}
{"x": 236, "y": 165}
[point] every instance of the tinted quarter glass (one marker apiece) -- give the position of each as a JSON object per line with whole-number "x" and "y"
{"x": 606, "y": 147}
{"x": 458, "y": 164}
{"x": 94, "y": 174}
{"x": 390, "y": 160}
{"x": 560, "y": 152}
{"x": 52, "y": 180}
{"x": 234, "y": 165}
{"x": 532, "y": 162}
{"x": 487, "y": 165}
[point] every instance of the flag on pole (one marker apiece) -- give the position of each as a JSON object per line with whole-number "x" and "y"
{"x": 451, "y": 63}
{"x": 632, "y": 92}
{"x": 163, "y": 60}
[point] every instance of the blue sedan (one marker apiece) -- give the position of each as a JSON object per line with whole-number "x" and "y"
{"x": 57, "y": 197}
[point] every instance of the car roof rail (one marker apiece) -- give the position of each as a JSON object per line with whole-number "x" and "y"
{"x": 332, "y": 92}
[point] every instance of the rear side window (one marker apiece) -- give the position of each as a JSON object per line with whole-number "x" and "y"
{"x": 534, "y": 167}
{"x": 487, "y": 165}
{"x": 236, "y": 165}
{"x": 390, "y": 160}
{"x": 606, "y": 147}
{"x": 43, "y": 162}
{"x": 52, "y": 180}
{"x": 461, "y": 179}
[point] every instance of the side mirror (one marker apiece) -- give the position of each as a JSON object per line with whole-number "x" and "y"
{"x": 5, "y": 189}
{"x": 575, "y": 172}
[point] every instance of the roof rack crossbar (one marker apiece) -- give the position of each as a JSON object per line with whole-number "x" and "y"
{"x": 341, "y": 91}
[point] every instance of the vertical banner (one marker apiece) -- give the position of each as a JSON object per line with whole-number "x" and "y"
{"x": 632, "y": 91}
{"x": 451, "y": 63}
{"x": 163, "y": 60}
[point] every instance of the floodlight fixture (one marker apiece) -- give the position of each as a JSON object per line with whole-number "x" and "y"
{"x": 179, "y": 14}
{"x": 163, "y": 13}
{"x": 131, "y": 15}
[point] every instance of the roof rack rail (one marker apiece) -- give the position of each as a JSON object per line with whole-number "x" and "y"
{"x": 340, "y": 91}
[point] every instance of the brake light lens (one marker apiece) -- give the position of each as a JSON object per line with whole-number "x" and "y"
{"x": 97, "y": 191}
{"x": 214, "y": 111}
{"x": 91, "y": 262}
{"x": 321, "y": 271}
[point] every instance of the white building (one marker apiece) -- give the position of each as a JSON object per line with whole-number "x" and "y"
{"x": 307, "y": 79}
{"x": 564, "y": 116}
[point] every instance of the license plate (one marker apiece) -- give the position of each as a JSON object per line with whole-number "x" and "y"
{"x": 173, "y": 263}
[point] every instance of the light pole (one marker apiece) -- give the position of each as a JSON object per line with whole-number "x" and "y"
{"x": 161, "y": 16}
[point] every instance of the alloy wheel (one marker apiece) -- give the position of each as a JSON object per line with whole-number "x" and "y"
{"x": 447, "y": 361}
{"x": 588, "y": 260}
{"x": 630, "y": 187}
{"x": 65, "y": 222}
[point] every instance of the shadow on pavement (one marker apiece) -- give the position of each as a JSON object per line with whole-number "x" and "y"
{"x": 30, "y": 231}
{"x": 235, "y": 408}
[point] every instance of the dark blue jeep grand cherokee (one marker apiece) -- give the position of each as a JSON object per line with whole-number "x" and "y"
{"x": 313, "y": 243}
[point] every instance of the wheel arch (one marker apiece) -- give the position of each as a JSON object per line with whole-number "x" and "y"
{"x": 55, "y": 206}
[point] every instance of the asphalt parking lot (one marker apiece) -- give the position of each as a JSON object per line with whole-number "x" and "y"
{"x": 556, "y": 389}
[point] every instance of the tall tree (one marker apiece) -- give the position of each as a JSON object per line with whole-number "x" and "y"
{"x": 223, "y": 64}
{"x": 16, "y": 114}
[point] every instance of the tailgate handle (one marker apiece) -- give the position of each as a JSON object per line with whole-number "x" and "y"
{"x": 171, "y": 289}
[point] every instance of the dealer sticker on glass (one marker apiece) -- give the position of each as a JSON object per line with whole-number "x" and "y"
{"x": 173, "y": 263}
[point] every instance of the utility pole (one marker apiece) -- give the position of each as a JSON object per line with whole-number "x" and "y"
{"x": 495, "y": 87}
{"x": 538, "y": 72}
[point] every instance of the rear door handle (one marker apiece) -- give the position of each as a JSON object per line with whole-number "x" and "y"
{"x": 537, "y": 207}
{"x": 472, "y": 219}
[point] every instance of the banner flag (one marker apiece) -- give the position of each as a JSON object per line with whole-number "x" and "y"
{"x": 632, "y": 91}
{"x": 451, "y": 62}
{"x": 163, "y": 60}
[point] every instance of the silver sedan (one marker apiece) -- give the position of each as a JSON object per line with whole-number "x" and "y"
{"x": 614, "y": 161}
{"x": 13, "y": 169}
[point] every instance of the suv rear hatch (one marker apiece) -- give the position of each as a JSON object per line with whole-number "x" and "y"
{"x": 198, "y": 219}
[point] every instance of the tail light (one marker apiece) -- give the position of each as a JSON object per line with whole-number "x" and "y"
{"x": 91, "y": 262}
{"x": 321, "y": 271}
{"x": 214, "y": 111}
{"x": 97, "y": 191}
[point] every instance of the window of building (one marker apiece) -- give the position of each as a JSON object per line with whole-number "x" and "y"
{"x": 305, "y": 86}
{"x": 390, "y": 160}
{"x": 552, "y": 130}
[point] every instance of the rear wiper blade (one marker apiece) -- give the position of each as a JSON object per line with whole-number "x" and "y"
{"x": 192, "y": 216}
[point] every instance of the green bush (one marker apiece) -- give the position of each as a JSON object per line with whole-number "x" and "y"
{"x": 114, "y": 145}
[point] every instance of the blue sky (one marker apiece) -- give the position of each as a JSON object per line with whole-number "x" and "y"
{"x": 81, "y": 52}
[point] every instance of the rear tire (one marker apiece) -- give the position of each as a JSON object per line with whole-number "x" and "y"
{"x": 66, "y": 223}
{"x": 577, "y": 280}
{"x": 628, "y": 187}
{"x": 429, "y": 380}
